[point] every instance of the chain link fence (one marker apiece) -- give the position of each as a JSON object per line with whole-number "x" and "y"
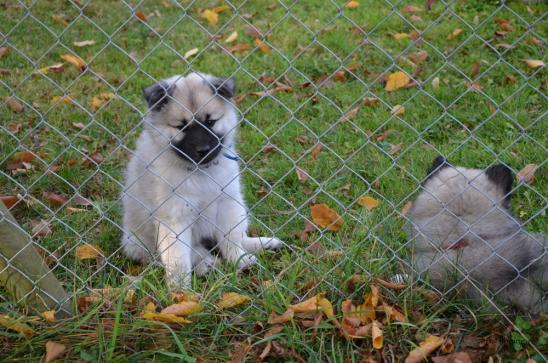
{"x": 318, "y": 125}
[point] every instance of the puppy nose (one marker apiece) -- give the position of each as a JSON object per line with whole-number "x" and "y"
{"x": 202, "y": 150}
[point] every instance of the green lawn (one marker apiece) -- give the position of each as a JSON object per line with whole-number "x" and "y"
{"x": 310, "y": 41}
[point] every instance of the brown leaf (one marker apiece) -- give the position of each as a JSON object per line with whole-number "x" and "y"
{"x": 396, "y": 81}
{"x": 418, "y": 57}
{"x": 406, "y": 208}
{"x": 415, "y": 19}
{"x": 12, "y": 324}
{"x": 527, "y": 174}
{"x": 459, "y": 357}
{"x": 84, "y": 43}
{"x": 262, "y": 46}
{"x": 211, "y": 16}
{"x": 410, "y": 9}
{"x": 14, "y": 105}
{"x": 54, "y": 350}
{"x": 59, "y": 20}
{"x": 141, "y": 16}
{"x": 9, "y": 200}
{"x": 534, "y": 63}
{"x": 368, "y": 202}
{"x": 239, "y": 48}
{"x": 326, "y": 217}
{"x": 280, "y": 319}
{"x": 232, "y": 37}
{"x": 87, "y": 252}
{"x": 220, "y": 9}
{"x": 316, "y": 151}
{"x": 78, "y": 125}
{"x": 54, "y": 68}
{"x": 455, "y": 33}
{"x": 239, "y": 354}
{"x": 74, "y": 60}
{"x": 475, "y": 69}
{"x": 24, "y": 156}
{"x": 40, "y": 228}
{"x": 183, "y": 308}
{"x": 376, "y": 334}
{"x": 190, "y": 53}
{"x": 370, "y": 101}
{"x": 340, "y": 76}
{"x": 49, "y": 316}
{"x": 301, "y": 175}
{"x": 395, "y": 149}
{"x": 231, "y": 299}
{"x": 398, "y": 110}
{"x": 353, "y": 4}
{"x": 80, "y": 200}
{"x": 393, "y": 313}
{"x": 4, "y": 51}
{"x": 509, "y": 79}
{"x": 54, "y": 199}
{"x": 425, "y": 348}
{"x": 507, "y": 27}
{"x": 314, "y": 304}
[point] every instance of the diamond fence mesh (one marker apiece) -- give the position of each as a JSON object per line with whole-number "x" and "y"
{"x": 339, "y": 106}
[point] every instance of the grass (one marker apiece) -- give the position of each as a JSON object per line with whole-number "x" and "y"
{"x": 309, "y": 40}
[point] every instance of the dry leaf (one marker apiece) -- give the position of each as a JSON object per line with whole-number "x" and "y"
{"x": 86, "y": 252}
{"x": 368, "y": 202}
{"x": 54, "y": 350}
{"x": 84, "y": 43}
{"x": 400, "y": 36}
{"x": 49, "y": 316}
{"x": 4, "y": 51}
{"x": 436, "y": 82}
{"x": 232, "y": 37}
{"x": 527, "y": 174}
{"x": 165, "y": 318}
{"x": 425, "y": 348}
{"x": 12, "y": 324}
{"x": 240, "y": 351}
{"x": 40, "y": 228}
{"x": 191, "y": 53}
{"x": 8, "y": 200}
{"x": 183, "y": 308}
{"x": 406, "y": 208}
{"x": 180, "y": 297}
{"x": 398, "y": 110}
{"x": 231, "y": 299}
{"x": 410, "y": 9}
{"x": 141, "y": 16}
{"x": 418, "y": 57}
{"x": 396, "y": 81}
{"x": 455, "y": 33}
{"x": 253, "y": 31}
{"x": 352, "y": 4}
{"x": 393, "y": 313}
{"x": 280, "y": 319}
{"x": 475, "y": 69}
{"x": 301, "y": 175}
{"x": 460, "y": 357}
{"x": 211, "y": 16}
{"x": 395, "y": 149}
{"x": 78, "y": 125}
{"x": 376, "y": 333}
{"x": 54, "y": 199}
{"x": 340, "y": 75}
{"x": 370, "y": 101}
{"x": 326, "y": 217}
{"x": 59, "y": 20}
{"x": 534, "y": 63}
{"x": 415, "y": 19}
{"x": 66, "y": 99}
{"x": 316, "y": 151}
{"x": 54, "y": 68}
{"x": 262, "y": 46}
{"x": 14, "y": 105}
{"x": 240, "y": 47}
{"x": 74, "y": 60}
{"x": 314, "y": 304}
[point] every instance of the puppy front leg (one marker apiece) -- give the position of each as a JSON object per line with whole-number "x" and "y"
{"x": 174, "y": 246}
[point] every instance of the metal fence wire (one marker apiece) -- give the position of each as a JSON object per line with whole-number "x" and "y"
{"x": 317, "y": 125}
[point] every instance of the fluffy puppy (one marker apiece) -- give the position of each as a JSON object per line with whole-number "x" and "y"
{"x": 182, "y": 196}
{"x": 464, "y": 235}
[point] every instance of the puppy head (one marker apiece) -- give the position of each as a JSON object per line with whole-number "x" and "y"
{"x": 194, "y": 114}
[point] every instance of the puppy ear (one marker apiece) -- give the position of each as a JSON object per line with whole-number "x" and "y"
{"x": 223, "y": 87}
{"x": 438, "y": 164}
{"x": 158, "y": 94}
{"x": 502, "y": 176}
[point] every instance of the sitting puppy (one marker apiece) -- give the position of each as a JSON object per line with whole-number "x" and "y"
{"x": 183, "y": 195}
{"x": 463, "y": 230}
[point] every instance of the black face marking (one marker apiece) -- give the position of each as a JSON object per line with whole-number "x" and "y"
{"x": 438, "y": 164}
{"x": 222, "y": 87}
{"x": 502, "y": 176}
{"x": 211, "y": 245}
{"x": 199, "y": 145}
{"x": 158, "y": 95}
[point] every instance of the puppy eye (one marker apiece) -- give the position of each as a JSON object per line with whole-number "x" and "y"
{"x": 209, "y": 121}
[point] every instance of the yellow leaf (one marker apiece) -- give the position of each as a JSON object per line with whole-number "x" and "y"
{"x": 326, "y": 217}
{"x": 49, "y": 316}
{"x": 534, "y": 63}
{"x": 150, "y": 308}
{"x": 455, "y": 33}
{"x": 314, "y": 304}
{"x": 166, "y": 318}
{"x": 396, "y": 81}
{"x": 262, "y": 45}
{"x": 436, "y": 82}
{"x": 64, "y": 99}
{"x": 425, "y": 348}
{"x": 184, "y": 296}
{"x": 211, "y": 16}
{"x": 352, "y": 4}
{"x": 398, "y": 110}
{"x": 53, "y": 351}
{"x": 74, "y": 60}
{"x": 401, "y": 36}
{"x": 11, "y": 324}
{"x": 86, "y": 252}
{"x": 96, "y": 102}
{"x": 55, "y": 68}
{"x": 280, "y": 319}
{"x": 376, "y": 333}
{"x": 368, "y": 202}
{"x": 220, "y": 9}
{"x": 183, "y": 308}
{"x": 84, "y": 43}
{"x": 107, "y": 95}
{"x": 191, "y": 53}
{"x": 232, "y": 37}
{"x": 231, "y": 299}
{"x": 58, "y": 19}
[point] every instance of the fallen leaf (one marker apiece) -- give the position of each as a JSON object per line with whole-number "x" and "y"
{"x": 240, "y": 352}
{"x": 459, "y": 357}
{"x": 534, "y": 63}
{"x": 352, "y": 4}
{"x": 80, "y": 200}
{"x": 74, "y": 60}
{"x": 280, "y": 319}
{"x": 418, "y": 57}
{"x": 78, "y": 125}
{"x": 49, "y": 316}
{"x": 301, "y": 175}
{"x": 165, "y": 318}
{"x": 436, "y": 82}
{"x": 211, "y": 16}
{"x": 59, "y": 20}
{"x": 475, "y": 69}
{"x": 447, "y": 346}
{"x": 425, "y": 348}
{"x": 271, "y": 332}
{"x": 368, "y": 202}
{"x": 262, "y": 46}
{"x": 4, "y": 51}
{"x": 191, "y": 53}
{"x": 76, "y": 210}
{"x": 376, "y": 334}
{"x": 370, "y": 101}
{"x": 393, "y": 313}
{"x": 316, "y": 151}
{"x": 87, "y": 252}
{"x": 455, "y": 33}
{"x": 40, "y": 228}
{"x": 395, "y": 149}
{"x": 54, "y": 199}
{"x": 239, "y": 48}
{"x": 415, "y": 19}
{"x": 54, "y": 350}
{"x": 9, "y": 200}
{"x": 527, "y": 174}
{"x": 400, "y": 36}
{"x": 141, "y": 16}
{"x": 507, "y": 27}
{"x": 66, "y": 99}
{"x": 406, "y": 208}
{"x": 410, "y": 9}
{"x": 398, "y": 110}
{"x": 474, "y": 86}
{"x": 396, "y": 81}
{"x": 231, "y": 299}
{"x": 253, "y": 31}
{"x": 14, "y": 105}
{"x": 314, "y": 304}
{"x": 232, "y": 37}
{"x": 12, "y": 324}
{"x": 84, "y": 43}
{"x": 340, "y": 75}
{"x": 326, "y": 217}
{"x": 183, "y": 308}
{"x": 54, "y": 68}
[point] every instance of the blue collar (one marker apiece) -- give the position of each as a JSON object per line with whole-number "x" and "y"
{"x": 233, "y": 156}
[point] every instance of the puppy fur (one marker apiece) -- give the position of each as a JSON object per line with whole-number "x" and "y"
{"x": 183, "y": 193}
{"x": 463, "y": 231}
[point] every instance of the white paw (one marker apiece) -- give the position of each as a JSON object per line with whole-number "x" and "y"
{"x": 246, "y": 261}
{"x": 271, "y": 243}
{"x": 205, "y": 265}
{"x": 178, "y": 281}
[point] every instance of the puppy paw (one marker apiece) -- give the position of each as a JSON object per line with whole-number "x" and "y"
{"x": 246, "y": 261}
{"x": 205, "y": 265}
{"x": 256, "y": 244}
{"x": 271, "y": 243}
